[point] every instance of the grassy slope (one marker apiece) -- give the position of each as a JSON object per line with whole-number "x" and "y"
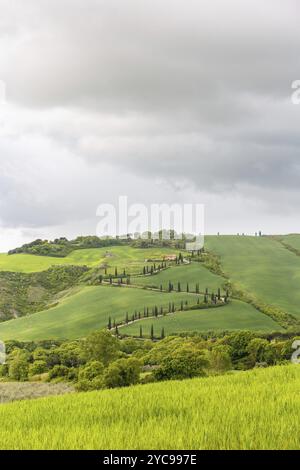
{"x": 259, "y": 409}
{"x": 122, "y": 257}
{"x": 261, "y": 266}
{"x": 292, "y": 240}
{"x": 234, "y": 316}
{"x": 87, "y": 310}
{"x": 192, "y": 274}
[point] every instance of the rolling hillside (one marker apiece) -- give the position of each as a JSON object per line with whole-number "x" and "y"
{"x": 259, "y": 409}
{"x": 258, "y": 266}
{"x": 191, "y": 274}
{"x": 261, "y": 266}
{"x": 132, "y": 259}
{"x": 234, "y": 316}
{"x": 86, "y": 310}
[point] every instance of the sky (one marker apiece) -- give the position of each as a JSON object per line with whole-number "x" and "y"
{"x": 173, "y": 101}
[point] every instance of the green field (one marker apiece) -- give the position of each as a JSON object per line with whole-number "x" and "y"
{"x": 293, "y": 240}
{"x": 262, "y": 267}
{"x": 87, "y": 310}
{"x": 191, "y": 274}
{"x": 234, "y": 316}
{"x": 259, "y": 409}
{"x": 132, "y": 259}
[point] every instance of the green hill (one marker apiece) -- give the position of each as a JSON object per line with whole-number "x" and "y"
{"x": 262, "y": 267}
{"x": 191, "y": 274}
{"x": 234, "y": 316}
{"x": 86, "y": 310}
{"x": 132, "y": 259}
{"x": 259, "y": 409}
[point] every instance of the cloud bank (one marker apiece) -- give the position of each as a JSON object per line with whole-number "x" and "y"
{"x": 163, "y": 101}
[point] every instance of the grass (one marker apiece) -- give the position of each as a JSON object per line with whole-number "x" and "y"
{"x": 259, "y": 409}
{"x": 86, "y": 310}
{"x": 293, "y": 240}
{"x": 132, "y": 259}
{"x": 192, "y": 274}
{"x": 12, "y": 391}
{"x": 234, "y": 316}
{"x": 261, "y": 266}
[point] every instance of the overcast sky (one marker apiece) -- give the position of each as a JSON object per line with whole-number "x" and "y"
{"x": 161, "y": 100}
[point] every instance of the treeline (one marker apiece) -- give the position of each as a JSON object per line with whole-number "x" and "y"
{"x": 62, "y": 247}
{"x": 103, "y": 360}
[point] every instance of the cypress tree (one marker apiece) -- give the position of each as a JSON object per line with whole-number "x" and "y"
{"x": 109, "y": 323}
{"x": 162, "y": 333}
{"x": 141, "y": 332}
{"x": 152, "y": 333}
{"x": 179, "y": 287}
{"x": 219, "y": 294}
{"x": 116, "y": 272}
{"x": 127, "y": 318}
{"x": 187, "y": 288}
{"x": 117, "y": 331}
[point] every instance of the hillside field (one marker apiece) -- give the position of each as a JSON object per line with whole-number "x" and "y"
{"x": 132, "y": 259}
{"x": 262, "y": 267}
{"x": 191, "y": 274}
{"x": 259, "y": 409}
{"x": 234, "y": 316}
{"x": 86, "y": 310}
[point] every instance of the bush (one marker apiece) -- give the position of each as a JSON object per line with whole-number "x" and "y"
{"x": 101, "y": 346}
{"x": 4, "y": 370}
{"x": 122, "y": 373}
{"x": 58, "y": 371}
{"x": 219, "y": 359}
{"x": 38, "y": 367}
{"x": 18, "y": 367}
{"x": 91, "y": 370}
{"x": 183, "y": 363}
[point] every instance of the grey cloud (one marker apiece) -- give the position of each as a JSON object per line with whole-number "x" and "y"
{"x": 109, "y": 95}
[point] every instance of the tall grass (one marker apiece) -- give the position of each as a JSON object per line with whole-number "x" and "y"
{"x": 259, "y": 409}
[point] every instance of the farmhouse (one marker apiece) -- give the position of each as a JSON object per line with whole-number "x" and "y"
{"x": 170, "y": 258}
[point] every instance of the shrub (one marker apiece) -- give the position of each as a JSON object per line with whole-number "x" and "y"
{"x": 101, "y": 346}
{"x": 219, "y": 359}
{"x": 182, "y": 363}
{"x": 19, "y": 366}
{"x": 38, "y": 367}
{"x": 58, "y": 371}
{"x": 122, "y": 373}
